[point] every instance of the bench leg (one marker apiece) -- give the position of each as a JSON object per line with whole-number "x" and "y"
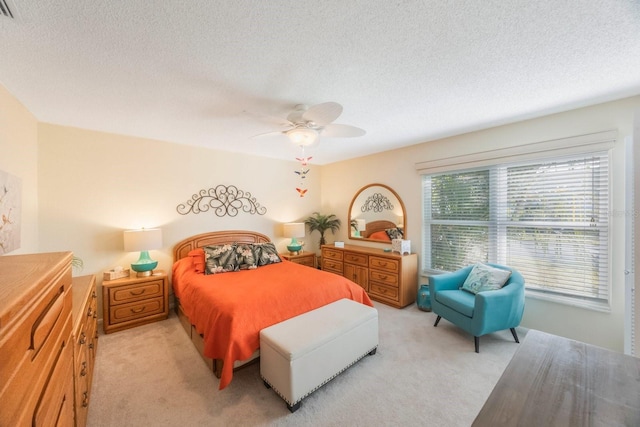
{"x": 437, "y": 321}
{"x": 476, "y": 341}
{"x": 295, "y": 407}
{"x": 266, "y": 384}
{"x": 372, "y": 352}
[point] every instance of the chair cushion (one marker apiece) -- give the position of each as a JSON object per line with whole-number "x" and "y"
{"x": 457, "y": 300}
{"x": 485, "y": 278}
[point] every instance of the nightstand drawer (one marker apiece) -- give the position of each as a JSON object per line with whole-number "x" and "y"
{"x": 355, "y": 258}
{"x": 308, "y": 261}
{"x": 136, "y": 310}
{"x": 136, "y": 292}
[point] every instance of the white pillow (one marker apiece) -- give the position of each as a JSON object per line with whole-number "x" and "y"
{"x": 485, "y": 278}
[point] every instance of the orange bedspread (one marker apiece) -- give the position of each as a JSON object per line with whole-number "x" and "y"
{"x": 230, "y": 309}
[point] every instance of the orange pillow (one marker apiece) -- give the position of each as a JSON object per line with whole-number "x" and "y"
{"x": 197, "y": 257}
{"x": 380, "y": 235}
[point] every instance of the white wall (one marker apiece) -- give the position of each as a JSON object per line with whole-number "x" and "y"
{"x": 19, "y": 157}
{"x": 340, "y": 182}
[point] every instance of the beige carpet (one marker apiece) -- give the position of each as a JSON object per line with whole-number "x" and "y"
{"x": 421, "y": 376}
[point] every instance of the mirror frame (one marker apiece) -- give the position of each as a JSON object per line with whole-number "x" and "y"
{"x": 349, "y": 215}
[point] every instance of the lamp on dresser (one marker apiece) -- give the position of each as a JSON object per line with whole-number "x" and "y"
{"x": 294, "y": 230}
{"x": 143, "y": 240}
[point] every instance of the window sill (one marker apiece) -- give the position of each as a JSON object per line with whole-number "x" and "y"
{"x": 565, "y": 300}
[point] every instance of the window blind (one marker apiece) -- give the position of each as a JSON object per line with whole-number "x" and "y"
{"x": 548, "y": 219}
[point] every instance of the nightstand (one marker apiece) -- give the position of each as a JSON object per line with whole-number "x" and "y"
{"x": 303, "y": 258}
{"x": 134, "y": 301}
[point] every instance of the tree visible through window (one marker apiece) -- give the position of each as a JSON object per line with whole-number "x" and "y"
{"x": 547, "y": 219}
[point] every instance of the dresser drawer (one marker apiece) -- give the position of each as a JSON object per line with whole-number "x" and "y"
{"x": 333, "y": 254}
{"x": 332, "y": 266}
{"x": 356, "y": 258}
{"x": 388, "y": 292}
{"x": 136, "y": 292}
{"x": 389, "y": 279}
{"x": 136, "y": 310}
{"x": 25, "y": 351}
{"x": 386, "y": 264}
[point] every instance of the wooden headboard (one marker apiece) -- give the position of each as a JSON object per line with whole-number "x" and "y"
{"x": 182, "y": 248}
{"x": 375, "y": 226}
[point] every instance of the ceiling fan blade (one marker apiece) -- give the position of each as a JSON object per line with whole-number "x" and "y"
{"x": 323, "y": 114}
{"x": 335, "y": 130}
{"x": 274, "y": 133}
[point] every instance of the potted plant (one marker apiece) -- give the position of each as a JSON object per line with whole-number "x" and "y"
{"x": 322, "y": 223}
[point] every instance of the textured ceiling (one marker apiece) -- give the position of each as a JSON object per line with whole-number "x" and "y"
{"x": 215, "y": 73}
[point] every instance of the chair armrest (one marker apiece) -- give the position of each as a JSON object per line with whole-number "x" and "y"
{"x": 448, "y": 281}
{"x": 502, "y": 307}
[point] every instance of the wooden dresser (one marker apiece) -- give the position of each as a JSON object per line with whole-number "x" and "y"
{"x": 387, "y": 277}
{"x": 36, "y": 351}
{"x": 85, "y": 335}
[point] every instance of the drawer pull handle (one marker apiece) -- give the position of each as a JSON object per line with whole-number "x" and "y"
{"x": 83, "y": 338}
{"x": 83, "y": 371}
{"x": 93, "y": 295}
{"x": 91, "y": 346}
{"x": 89, "y": 312}
{"x": 137, "y": 293}
{"x": 137, "y": 310}
{"x": 95, "y": 314}
{"x": 383, "y": 276}
{"x": 85, "y": 399}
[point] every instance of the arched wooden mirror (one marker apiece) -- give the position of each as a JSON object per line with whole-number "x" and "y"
{"x": 376, "y": 214}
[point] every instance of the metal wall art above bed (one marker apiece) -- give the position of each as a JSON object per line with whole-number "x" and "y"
{"x": 222, "y": 200}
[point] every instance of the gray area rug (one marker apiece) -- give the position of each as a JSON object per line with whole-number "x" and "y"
{"x": 421, "y": 376}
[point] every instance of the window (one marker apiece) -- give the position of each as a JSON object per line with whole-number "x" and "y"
{"x": 548, "y": 219}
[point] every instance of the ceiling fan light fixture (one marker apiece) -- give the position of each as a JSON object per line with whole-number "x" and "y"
{"x": 302, "y": 136}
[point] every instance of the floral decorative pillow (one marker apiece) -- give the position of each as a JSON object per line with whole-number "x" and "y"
{"x": 246, "y": 257}
{"x": 266, "y": 253}
{"x": 394, "y": 233}
{"x": 485, "y": 278}
{"x": 220, "y": 259}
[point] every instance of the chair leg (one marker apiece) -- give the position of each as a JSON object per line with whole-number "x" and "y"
{"x": 515, "y": 335}
{"x": 476, "y": 341}
{"x": 437, "y": 320}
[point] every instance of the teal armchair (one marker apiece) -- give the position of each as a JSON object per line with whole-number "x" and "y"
{"x": 481, "y": 313}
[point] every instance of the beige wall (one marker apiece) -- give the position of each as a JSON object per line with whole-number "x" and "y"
{"x": 340, "y": 182}
{"x": 94, "y": 185}
{"x": 19, "y": 157}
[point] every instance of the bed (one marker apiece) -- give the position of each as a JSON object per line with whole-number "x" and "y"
{"x": 224, "y": 313}
{"x": 377, "y": 230}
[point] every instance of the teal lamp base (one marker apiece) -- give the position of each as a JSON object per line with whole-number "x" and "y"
{"x": 294, "y": 247}
{"x": 144, "y": 265}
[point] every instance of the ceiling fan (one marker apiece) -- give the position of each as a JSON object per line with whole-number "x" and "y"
{"x": 306, "y": 124}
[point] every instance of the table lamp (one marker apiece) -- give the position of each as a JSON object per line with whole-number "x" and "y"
{"x": 294, "y": 230}
{"x": 143, "y": 240}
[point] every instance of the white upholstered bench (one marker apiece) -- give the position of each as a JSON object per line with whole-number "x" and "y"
{"x": 303, "y": 353}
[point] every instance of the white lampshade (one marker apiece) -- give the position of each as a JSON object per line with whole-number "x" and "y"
{"x": 302, "y": 136}
{"x": 361, "y": 224}
{"x": 145, "y": 239}
{"x": 294, "y": 229}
